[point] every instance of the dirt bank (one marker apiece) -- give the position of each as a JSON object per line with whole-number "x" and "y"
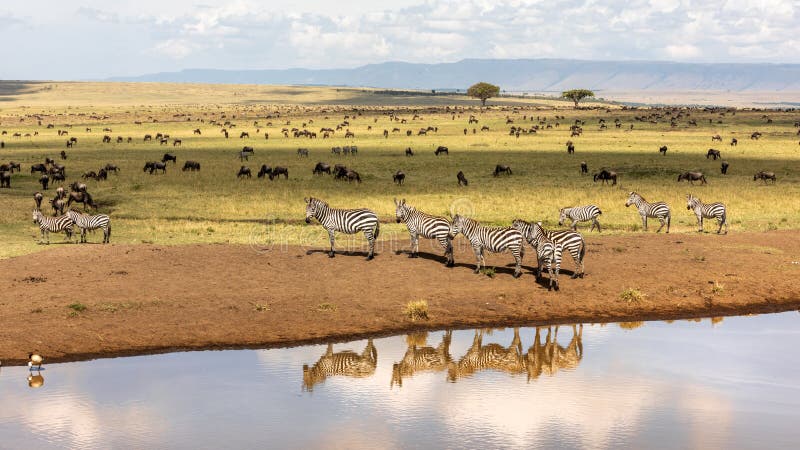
{"x": 142, "y": 298}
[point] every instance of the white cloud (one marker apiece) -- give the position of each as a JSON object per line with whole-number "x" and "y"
{"x": 684, "y": 51}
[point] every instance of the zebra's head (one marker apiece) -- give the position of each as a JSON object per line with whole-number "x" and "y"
{"x": 37, "y": 215}
{"x": 401, "y": 210}
{"x": 632, "y": 198}
{"x": 312, "y": 205}
{"x": 691, "y": 201}
{"x": 562, "y": 216}
{"x": 456, "y": 225}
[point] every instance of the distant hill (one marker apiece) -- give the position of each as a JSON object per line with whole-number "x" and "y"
{"x": 529, "y": 75}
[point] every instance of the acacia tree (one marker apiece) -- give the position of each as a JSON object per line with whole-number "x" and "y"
{"x": 577, "y": 95}
{"x": 483, "y": 91}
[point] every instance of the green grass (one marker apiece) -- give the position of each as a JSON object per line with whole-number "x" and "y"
{"x": 77, "y": 307}
{"x": 631, "y": 295}
{"x": 212, "y": 206}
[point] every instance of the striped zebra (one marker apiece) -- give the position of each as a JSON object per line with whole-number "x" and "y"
{"x": 659, "y": 210}
{"x": 52, "y": 224}
{"x": 494, "y": 239}
{"x": 420, "y": 359}
{"x": 346, "y": 363}
{"x": 548, "y": 253}
{"x": 493, "y": 356}
{"x": 570, "y": 241}
{"x": 427, "y": 226}
{"x": 708, "y": 211}
{"x": 88, "y": 222}
{"x": 580, "y": 214}
{"x": 348, "y": 221}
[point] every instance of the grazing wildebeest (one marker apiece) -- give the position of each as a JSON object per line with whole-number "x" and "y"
{"x": 279, "y": 170}
{"x": 163, "y": 141}
{"x": 38, "y": 197}
{"x": 148, "y": 137}
{"x": 58, "y": 206}
{"x": 58, "y": 176}
{"x": 63, "y": 154}
{"x": 191, "y": 166}
{"x": 322, "y": 167}
{"x": 755, "y": 136}
{"x": 409, "y": 152}
{"x": 265, "y": 171}
{"x": 724, "y": 168}
{"x": 462, "y": 180}
{"x": 713, "y": 154}
{"x": 244, "y": 171}
{"x": 69, "y": 144}
{"x": 5, "y": 179}
{"x": 762, "y": 175}
{"x": 44, "y": 180}
{"x": 349, "y": 134}
{"x": 734, "y": 142}
{"x": 663, "y": 150}
{"x": 77, "y": 187}
{"x": 502, "y": 168}
{"x": 81, "y": 197}
{"x": 604, "y": 175}
{"x": 441, "y": 149}
{"x": 90, "y": 174}
{"x": 399, "y": 177}
{"x": 352, "y": 175}
{"x": 302, "y": 152}
{"x": 197, "y": 131}
{"x": 38, "y": 168}
{"x": 386, "y": 134}
{"x": 176, "y": 142}
{"x": 244, "y": 134}
{"x": 61, "y": 193}
{"x": 154, "y": 165}
{"x": 353, "y": 150}
{"x": 111, "y": 168}
{"x": 584, "y": 168}
{"x": 716, "y": 137}
{"x": 101, "y": 175}
{"x": 106, "y": 139}
{"x": 169, "y": 157}
{"x": 570, "y": 147}
{"x": 691, "y": 177}
{"x": 336, "y": 150}
{"x": 340, "y": 171}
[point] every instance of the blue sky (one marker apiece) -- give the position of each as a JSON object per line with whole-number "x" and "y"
{"x": 90, "y": 39}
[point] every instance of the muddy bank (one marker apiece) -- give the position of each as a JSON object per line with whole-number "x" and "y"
{"x": 132, "y": 299}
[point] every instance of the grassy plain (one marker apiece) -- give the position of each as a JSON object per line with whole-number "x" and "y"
{"x": 212, "y": 206}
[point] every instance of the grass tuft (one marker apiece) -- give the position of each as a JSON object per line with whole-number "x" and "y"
{"x": 417, "y": 310}
{"x": 632, "y": 295}
{"x": 77, "y": 307}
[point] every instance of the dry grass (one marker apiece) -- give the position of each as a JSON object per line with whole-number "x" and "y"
{"x": 631, "y": 295}
{"x": 417, "y": 310}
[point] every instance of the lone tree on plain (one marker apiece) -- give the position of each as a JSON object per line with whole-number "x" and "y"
{"x": 483, "y": 91}
{"x": 577, "y": 95}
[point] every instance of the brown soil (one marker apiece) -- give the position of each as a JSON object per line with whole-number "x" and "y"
{"x": 147, "y": 299}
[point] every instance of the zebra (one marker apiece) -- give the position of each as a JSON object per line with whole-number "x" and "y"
{"x": 427, "y": 226}
{"x": 345, "y": 363}
{"x": 422, "y": 358}
{"x": 88, "y": 222}
{"x": 348, "y": 221}
{"x": 549, "y": 253}
{"x": 494, "y": 239}
{"x": 707, "y": 211}
{"x": 659, "y": 210}
{"x": 492, "y": 356}
{"x": 52, "y": 224}
{"x": 580, "y": 214}
{"x": 570, "y": 241}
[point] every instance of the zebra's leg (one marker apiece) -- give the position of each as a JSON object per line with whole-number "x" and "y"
{"x": 557, "y": 257}
{"x": 644, "y": 221}
{"x": 669, "y": 219}
{"x": 550, "y": 272}
{"x": 518, "y": 259}
{"x": 447, "y": 244}
{"x": 597, "y": 223}
{"x": 371, "y": 240}
{"x": 414, "y": 246}
{"x": 479, "y": 256}
{"x": 330, "y": 237}
{"x": 700, "y": 223}
{"x": 662, "y": 222}
{"x": 575, "y": 225}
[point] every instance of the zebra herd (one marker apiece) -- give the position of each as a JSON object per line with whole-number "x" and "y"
{"x": 65, "y": 222}
{"x": 549, "y": 245}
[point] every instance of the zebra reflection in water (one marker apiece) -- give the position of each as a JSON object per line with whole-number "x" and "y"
{"x": 549, "y": 357}
{"x": 489, "y": 357}
{"x": 344, "y": 363}
{"x": 422, "y": 358}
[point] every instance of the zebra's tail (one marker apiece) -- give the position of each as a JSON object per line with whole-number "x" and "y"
{"x": 583, "y": 250}
{"x": 377, "y": 230}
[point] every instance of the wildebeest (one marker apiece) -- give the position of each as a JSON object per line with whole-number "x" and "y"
{"x": 77, "y": 187}
{"x": 502, "y": 168}
{"x": 663, "y": 150}
{"x": 111, "y": 168}
{"x": 399, "y": 177}
{"x": 570, "y": 147}
{"x": 279, "y": 170}
{"x": 713, "y": 154}
{"x": 734, "y": 142}
{"x": 177, "y": 142}
{"x": 81, "y": 197}
{"x": 58, "y": 206}
{"x": 349, "y": 134}
{"x": 244, "y": 171}
{"x": 90, "y": 174}
{"x": 191, "y": 166}
{"x": 197, "y": 131}
{"x": 60, "y": 193}
{"x": 339, "y": 171}
{"x": 244, "y": 134}
{"x": 106, "y": 139}
{"x": 63, "y": 154}
{"x": 716, "y": 137}
{"x": 154, "y": 165}
{"x": 69, "y": 144}
{"x": 102, "y": 174}
{"x": 5, "y": 179}
{"x": 336, "y": 150}
{"x": 584, "y": 168}
{"x": 322, "y": 167}
{"x": 44, "y": 180}
{"x": 409, "y": 152}
{"x": 38, "y": 168}
{"x": 441, "y": 149}
{"x": 462, "y": 180}
{"x": 169, "y": 157}
{"x": 352, "y": 175}
{"x": 148, "y": 137}
{"x": 755, "y": 136}
{"x": 724, "y": 168}
{"x": 302, "y": 152}
{"x": 691, "y": 177}
{"x": 264, "y": 171}
{"x": 605, "y": 175}
{"x": 37, "y": 198}
{"x": 762, "y": 175}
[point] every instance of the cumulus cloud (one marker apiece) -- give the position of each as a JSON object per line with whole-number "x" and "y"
{"x": 250, "y": 34}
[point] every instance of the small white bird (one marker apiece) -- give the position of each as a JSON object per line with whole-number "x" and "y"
{"x": 35, "y": 360}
